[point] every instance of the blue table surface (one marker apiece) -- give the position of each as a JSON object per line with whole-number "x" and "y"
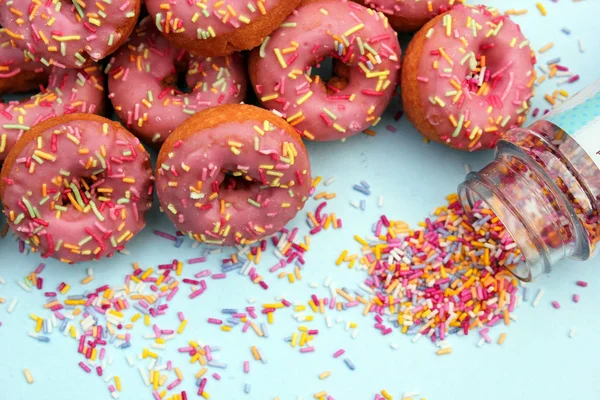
{"x": 537, "y": 361}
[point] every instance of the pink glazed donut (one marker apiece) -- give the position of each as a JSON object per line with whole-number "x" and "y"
{"x": 216, "y": 28}
{"x": 468, "y": 78}
{"x": 232, "y": 174}
{"x": 69, "y": 34}
{"x": 68, "y": 91}
{"x": 142, "y": 79}
{"x": 18, "y": 73}
{"x": 77, "y": 187}
{"x": 367, "y": 60}
{"x": 410, "y": 15}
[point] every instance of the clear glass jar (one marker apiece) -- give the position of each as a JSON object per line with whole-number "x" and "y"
{"x": 544, "y": 185}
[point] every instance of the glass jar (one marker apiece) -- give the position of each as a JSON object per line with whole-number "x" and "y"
{"x": 544, "y": 185}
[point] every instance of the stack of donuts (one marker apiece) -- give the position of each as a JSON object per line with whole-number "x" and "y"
{"x": 76, "y": 186}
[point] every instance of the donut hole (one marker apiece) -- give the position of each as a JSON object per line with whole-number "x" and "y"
{"x": 179, "y": 80}
{"x": 481, "y": 66}
{"x": 331, "y": 74}
{"x": 87, "y": 191}
{"x": 234, "y": 181}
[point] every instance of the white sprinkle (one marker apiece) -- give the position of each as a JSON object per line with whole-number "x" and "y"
{"x": 251, "y": 300}
{"x": 581, "y": 48}
{"x": 313, "y": 285}
{"x": 2, "y": 281}
{"x": 380, "y": 201}
{"x": 481, "y": 342}
{"x": 538, "y": 297}
{"x": 24, "y": 286}
{"x": 327, "y": 282}
{"x": 467, "y": 168}
{"x": 355, "y": 333}
{"x": 328, "y": 321}
{"x": 416, "y": 338}
{"x": 90, "y": 272}
{"x": 572, "y": 332}
{"x": 129, "y": 360}
{"x": 329, "y": 181}
{"x": 12, "y": 305}
{"x": 108, "y": 378}
{"x": 33, "y": 335}
{"x": 144, "y": 376}
{"x": 115, "y": 395}
{"x": 393, "y": 345}
{"x": 411, "y": 394}
{"x": 159, "y": 346}
{"x": 152, "y": 364}
{"x": 355, "y": 204}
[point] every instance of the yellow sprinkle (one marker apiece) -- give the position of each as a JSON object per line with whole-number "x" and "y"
{"x": 325, "y": 375}
{"x": 542, "y": 9}
{"x": 546, "y": 48}
{"x": 182, "y": 326}
{"x": 502, "y": 338}
{"x": 445, "y": 351}
{"x": 280, "y": 58}
{"x": 28, "y": 376}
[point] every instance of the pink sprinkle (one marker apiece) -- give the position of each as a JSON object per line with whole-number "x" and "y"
{"x": 246, "y": 367}
{"x": 555, "y": 304}
{"x": 582, "y": 283}
{"x": 576, "y": 298}
{"x": 85, "y": 367}
{"x": 217, "y": 376}
{"x": 219, "y": 276}
{"x": 338, "y": 353}
{"x": 307, "y": 349}
{"x": 215, "y": 321}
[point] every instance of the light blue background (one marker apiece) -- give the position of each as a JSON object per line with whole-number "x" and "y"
{"x": 538, "y": 360}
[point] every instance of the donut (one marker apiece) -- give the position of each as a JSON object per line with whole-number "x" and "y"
{"x": 69, "y": 34}
{"x": 366, "y": 56}
{"x": 410, "y": 15}
{"x": 18, "y": 73}
{"x": 77, "y": 187}
{"x": 68, "y": 91}
{"x": 467, "y": 78}
{"x": 142, "y": 78}
{"x": 232, "y": 174}
{"x": 214, "y": 28}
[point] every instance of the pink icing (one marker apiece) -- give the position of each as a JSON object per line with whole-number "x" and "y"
{"x": 67, "y": 42}
{"x": 205, "y": 19}
{"x": 68, "y": 91}
{"x": 151, "y": 108}
{"x": 411, "y": 9}
{"x": 13, "y": 61}
{"x": 307, "y": 37}
{"x": 509, "y": 76}
{"x": 279, "y": 185}
{"x": 99, "y": 220}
